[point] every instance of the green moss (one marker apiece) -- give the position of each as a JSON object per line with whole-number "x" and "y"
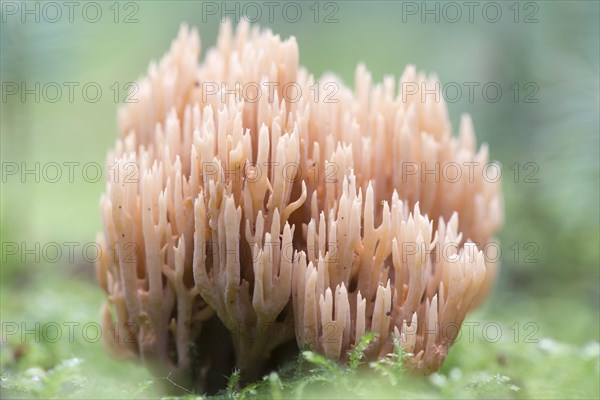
{"x": 43, "y": 367}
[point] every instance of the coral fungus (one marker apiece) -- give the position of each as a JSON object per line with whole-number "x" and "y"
{"x": 242, "y": 192}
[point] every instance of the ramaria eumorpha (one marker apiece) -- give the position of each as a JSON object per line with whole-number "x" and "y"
{"x": 242, "y": 192}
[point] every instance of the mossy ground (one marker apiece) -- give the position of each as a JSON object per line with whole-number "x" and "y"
{"x": 492, "y": 359}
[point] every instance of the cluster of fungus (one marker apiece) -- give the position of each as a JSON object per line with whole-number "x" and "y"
{"x": 293, "y": 218}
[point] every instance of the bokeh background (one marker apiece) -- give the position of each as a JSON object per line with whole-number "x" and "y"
{"x": 544, "y": 130}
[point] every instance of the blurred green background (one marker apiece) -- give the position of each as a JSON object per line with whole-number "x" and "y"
{"x": 547, "y": 50}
